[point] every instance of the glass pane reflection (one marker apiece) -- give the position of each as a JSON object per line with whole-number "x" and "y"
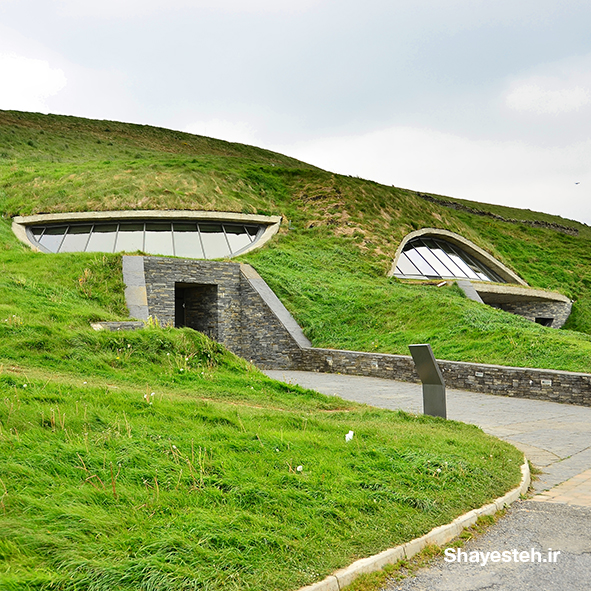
{"x": 433, "y": 257}
{"x": 130, "y": 237}
{"x": 183, "y": 239}
{"x": 186, "y": 241}
{"x": 237, "y": 237}
{"x": 214, "y": 242}
{"x": 52, "y": 238}
{"x": 76, "y": 239}
{"x": 102, "y": 238}
{"x": 158, "y": 239}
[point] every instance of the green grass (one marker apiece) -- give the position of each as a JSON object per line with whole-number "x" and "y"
{"x": 328, "y": 262}
{"x": 201, "y": 487}
{"x": 104, "y": 486}
{"x": 344, "y": 301}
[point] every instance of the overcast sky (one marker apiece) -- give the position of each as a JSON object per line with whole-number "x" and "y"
{"x": 488, "y": 100}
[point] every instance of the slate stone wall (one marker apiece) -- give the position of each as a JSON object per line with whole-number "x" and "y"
{"x": 265, "y": 340}
{"x": 198, "y": 308}
{"x": 162, "y": 274}
{"x": 220, "y": 301}
{"x": 540, "y": 384}
{"x": 251, "y": 325}
{"x": 559, "y": 311}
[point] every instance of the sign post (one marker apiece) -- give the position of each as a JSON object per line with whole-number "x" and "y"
{"x": 432, "y": 379}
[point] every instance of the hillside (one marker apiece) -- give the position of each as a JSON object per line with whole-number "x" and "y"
{"x": 339, "y": 235}
{"x": 158, "y": 460}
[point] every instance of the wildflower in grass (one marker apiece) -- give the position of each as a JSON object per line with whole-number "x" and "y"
{"x": 299, "y": 468}
{"x": 349, "y": 436}
{"x": 24, "y": 385}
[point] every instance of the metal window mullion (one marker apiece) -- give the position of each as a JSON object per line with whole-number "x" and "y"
{"x": 419, "y": 272}
{"x": 427, "y": 263}
{"x": 88, "y": 239}
{"x": 443, "y": 246}
{"x": 451, "y": 273}
{"x": 63, "y": 238}
{"x": 173, "y": 244}
{"x": 116, "y": 237}
{"x": 144, "y": 239}
{"x": 464, "y": 255}
{"x": 454, "y": 251}
{"x": 201, "y": 241}
{"x": 226, "y": 237}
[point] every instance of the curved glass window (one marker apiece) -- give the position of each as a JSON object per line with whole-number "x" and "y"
{"x": 200, "y": 240}
{"x": 432, "y": 258}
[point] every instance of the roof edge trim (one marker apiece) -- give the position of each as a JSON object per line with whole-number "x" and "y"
{"x": 471, "y": 248}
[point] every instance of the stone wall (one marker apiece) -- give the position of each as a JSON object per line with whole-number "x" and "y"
{"x": 541, "y": 384}
{"x": 253, "y": 323}
{"x": 557, "y": 311}
{"x": 224, "y": 301}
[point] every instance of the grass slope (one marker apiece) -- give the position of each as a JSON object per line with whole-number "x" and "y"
{"x": 339, "y": 237}
{"x": 105, "y": 485}
{"x": 157, "y": 460}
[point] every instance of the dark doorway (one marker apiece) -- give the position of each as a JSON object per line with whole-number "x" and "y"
{"x": 196, "y": 306}
{"x": 545, "y": 321}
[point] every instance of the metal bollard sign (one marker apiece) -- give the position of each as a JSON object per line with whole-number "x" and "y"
{"x": 433, "y": 384}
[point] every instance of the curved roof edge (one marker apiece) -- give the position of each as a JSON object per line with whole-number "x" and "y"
{"x": 464, "y": 244}
{"x": 272, "y": 222}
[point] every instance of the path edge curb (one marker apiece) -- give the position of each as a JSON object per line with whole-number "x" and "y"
{"x": 439, "y": 536}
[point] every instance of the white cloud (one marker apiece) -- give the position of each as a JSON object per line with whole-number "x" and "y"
{"x": 135, "y": 8}
{"x": 539, "y": 100}
{"x": 508, "y": 173}
{"x": 240, "y": 132}
{"x": 27, "y": 83}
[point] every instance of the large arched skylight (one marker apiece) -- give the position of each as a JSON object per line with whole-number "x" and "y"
{"x": 202, "y": 240}
{"x": 199, "y": 235}
{"x": 429, "y": 257}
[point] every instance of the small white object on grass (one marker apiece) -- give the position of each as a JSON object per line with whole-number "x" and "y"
{"x": 349, "y": 436}
{"x": 299, "y": 468}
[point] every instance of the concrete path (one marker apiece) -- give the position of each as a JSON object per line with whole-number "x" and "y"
{"x": 555, "y": 437}
{"x": 558, "y": 534}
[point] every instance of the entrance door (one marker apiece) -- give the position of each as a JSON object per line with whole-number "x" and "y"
{"x": 196, "y": 306}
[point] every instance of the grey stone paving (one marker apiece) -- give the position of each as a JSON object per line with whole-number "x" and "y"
{"x": 528, "y": 525}
{"x": 556, "y": 437}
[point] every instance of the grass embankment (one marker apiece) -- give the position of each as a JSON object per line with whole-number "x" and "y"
{"x": 104, "y": 486}
{"x": 336, "y": 244}
{"x": 220, "y": 479}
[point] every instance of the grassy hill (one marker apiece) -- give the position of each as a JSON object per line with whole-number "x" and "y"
{"x": 157, "y": 460}
{"x": 329, "y": 262}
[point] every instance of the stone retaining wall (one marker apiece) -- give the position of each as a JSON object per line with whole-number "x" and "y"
{"x": 239, "y": 316}
{"x": 541, "y": 384}
{"x": 253, "y": 323}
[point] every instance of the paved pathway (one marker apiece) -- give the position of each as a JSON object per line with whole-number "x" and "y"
{"x": 555, "y": 437}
